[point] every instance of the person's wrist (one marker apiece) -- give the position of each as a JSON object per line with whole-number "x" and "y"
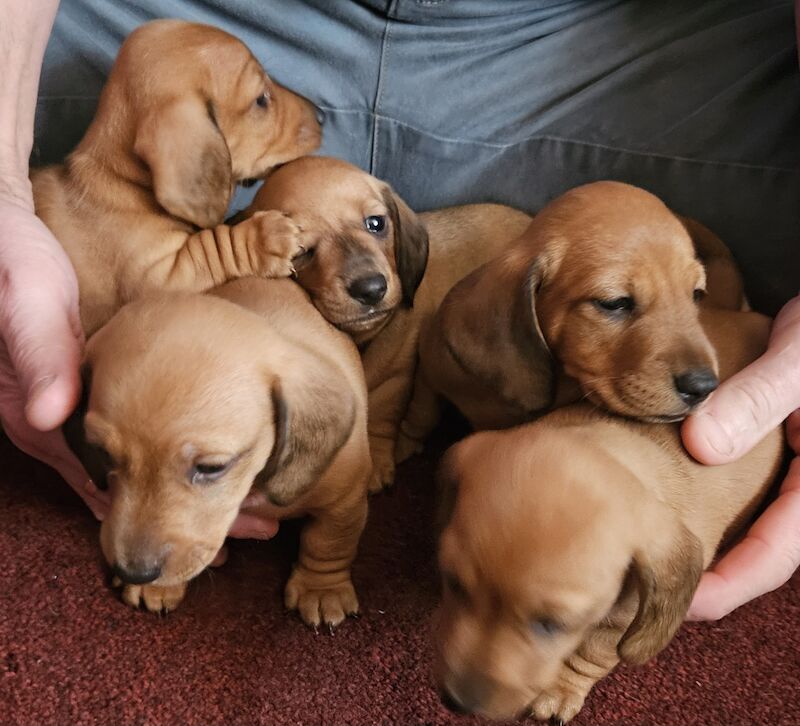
{"x": 15, "y": 186}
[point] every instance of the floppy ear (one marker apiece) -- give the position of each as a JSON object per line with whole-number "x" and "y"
{"x": 410, "y": 245}
{"x": 447, "y": 490}
{"x": 490, "y": 327}
{"x": 724, "y": 283}
{"x": 94, "y": 458}
{"x": 188, "y": 159}
{"x": 312, "y": 422}
{"x": 667, "y": 570}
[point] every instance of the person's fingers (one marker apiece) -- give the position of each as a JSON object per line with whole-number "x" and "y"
{"x": 39, "y": 320}
{"x": 765, "y": 559}
{"x": 754, "y": 401}
{"x": 252, "y": 526}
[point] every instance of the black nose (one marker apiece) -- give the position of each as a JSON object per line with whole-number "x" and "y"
{"x": 368, "y": 290}
{"x": 695, "y": 385}
{"x": 452, "y": 703}
{"x": 137, "y": 573}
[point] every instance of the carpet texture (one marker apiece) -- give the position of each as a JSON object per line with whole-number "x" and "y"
{"x": 72, "y": 653}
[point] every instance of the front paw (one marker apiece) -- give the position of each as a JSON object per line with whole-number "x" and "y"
{"x": 275, "y": 240}
{"x": 560, "y": 703}
{"x": 381, "y": 451}
{"x": 320, "y": 602}
{"x": 406, "y": 447}
{"x": 155, "y": 598}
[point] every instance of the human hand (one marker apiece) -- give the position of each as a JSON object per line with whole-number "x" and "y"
{"x": 40, "y": 339}
{"x": 736, "y": 417}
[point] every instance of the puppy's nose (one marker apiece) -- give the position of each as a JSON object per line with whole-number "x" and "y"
{"x": 138, "y": 573}
{"x": 695, "y": 385}
{"x": 466, "y": 694}
{"x": 368, "y": 290}
{"x": 452, "y": 703}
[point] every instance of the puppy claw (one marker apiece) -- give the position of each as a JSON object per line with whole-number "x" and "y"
{"x": 325, "y": 604}
{"x": 331, "y": 629}
{"x": 382, "y": 468}
{"x": 154, "y": 598}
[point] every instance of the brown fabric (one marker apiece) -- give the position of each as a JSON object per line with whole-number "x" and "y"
{"x": 71, "y": 653}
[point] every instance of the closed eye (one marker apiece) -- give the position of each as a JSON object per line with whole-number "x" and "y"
{"x": 207, "y": 473}
{"x": 616, "y": 307}
{"x": 545, "y": 627}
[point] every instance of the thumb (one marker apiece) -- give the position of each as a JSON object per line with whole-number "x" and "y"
{"x": 43, "y": 340}
{"x": 754, "y": 401}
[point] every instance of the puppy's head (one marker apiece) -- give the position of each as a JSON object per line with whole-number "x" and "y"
{"x": 619, "y": 310}
{"x": 204, "y": 115}
{"x": 612, "y": 280}
{"x": 183, "y": 412}
{"x": 366, "y": 250}
{"x": 549, "y": 538}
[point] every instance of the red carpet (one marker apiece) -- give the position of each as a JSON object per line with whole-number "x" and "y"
{"x": 71, "y": 653}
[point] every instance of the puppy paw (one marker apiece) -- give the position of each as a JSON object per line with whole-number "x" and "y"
{"x": 155, "y": 598}
{"x": 382, "y": 452}
{"x": 558, "y": 704}
{"x": 318, "y": 602}
{"x": 406, "y": 447}
{"x": 275, "y": 240}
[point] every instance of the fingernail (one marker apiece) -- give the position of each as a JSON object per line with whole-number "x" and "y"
{"x": 716, "y": 436}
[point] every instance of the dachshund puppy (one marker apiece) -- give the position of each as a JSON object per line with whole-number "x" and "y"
{"x": 374, "y": 272}
{"x": 192, "y": 400}
{"x": 187, "y": 112}
{"x": 578, "y": 541}
{"x": 597, "y": 298}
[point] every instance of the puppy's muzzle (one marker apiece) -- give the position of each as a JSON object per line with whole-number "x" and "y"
{"x": 368, "y": 290}
{"x": 467, "y": 693}
{"x": 695, "y": 385}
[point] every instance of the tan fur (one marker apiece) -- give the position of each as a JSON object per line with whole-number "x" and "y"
{"x": 266, "y": 384}
{"x": 503, "y": 336}
{"x": 577, "y": 541}
{"x": 139, "y": 204}
{"x": 330, "y": 200}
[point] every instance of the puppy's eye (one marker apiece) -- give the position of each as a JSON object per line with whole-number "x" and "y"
{"x": 618, "y": 306}
{"x": 375, "y": 224}
{"x": 262, "y": 101}
{"x": 304, "y": 258}
{"x": 544, "y": 627}
{"x": 453, "y": 585}
{"x": 207, "y": 473}
{"x": 698, "y": 294}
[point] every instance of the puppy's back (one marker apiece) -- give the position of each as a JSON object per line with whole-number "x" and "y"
{"x": 290, "y": 313}
{"x": 462, "y": 239}
{"x": 713, "y": 501}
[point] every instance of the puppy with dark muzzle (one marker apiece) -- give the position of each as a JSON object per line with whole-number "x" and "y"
{"x": 376, "y": 271}
{"x": 191, "y": 401}
{"x": 577, "y": 541}
{"x": 599, "y": 297}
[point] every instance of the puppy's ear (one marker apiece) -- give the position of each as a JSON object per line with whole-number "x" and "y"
{"x": 410, "y": 245}
{"x": 447, "y": 489}
{"x": 312, "y": 422}
{"x": 667, "y": 569}
{"x": 188, "y": 159}
{"x": 491, "y": 329}
{"x": 724, "y": 283}
{"x": 94, "y": 458}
